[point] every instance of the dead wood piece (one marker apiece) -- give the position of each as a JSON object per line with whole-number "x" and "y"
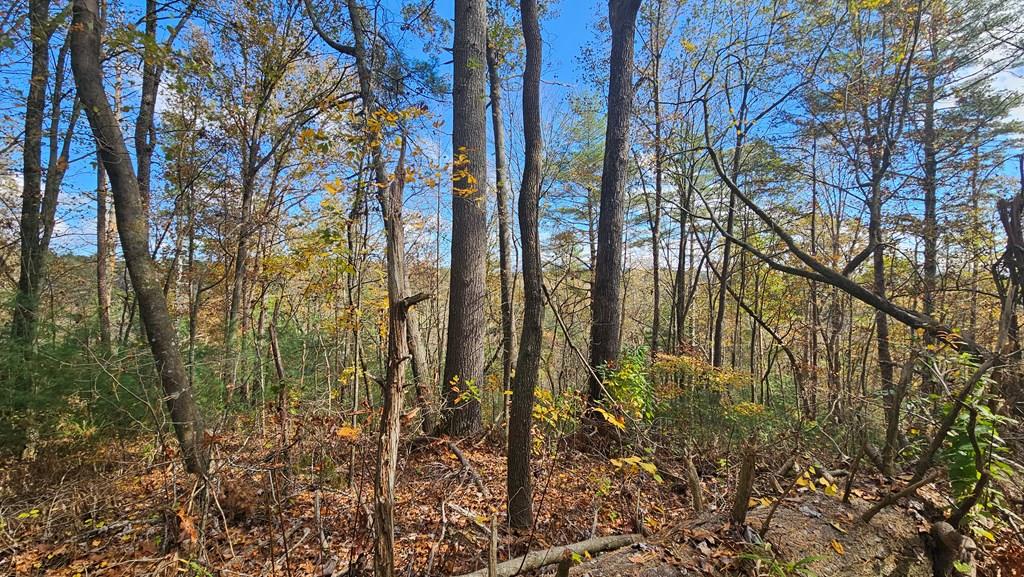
{"x": 470, "y": 469}
{"x": 744, "y": 486}
{"x": 693, "y": 480}
{"x": 537, "y": 559}
{"x": 564, "y": 565}
{"x": 473, "y": 517}
{"x": 893, "y": 497}
{"x": 492, "y": 552}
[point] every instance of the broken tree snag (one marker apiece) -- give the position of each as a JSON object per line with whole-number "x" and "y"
{"x": 564, "y": 565}
{"x": 744, "y": 485}
{"x": 537, "y": 559}
{"x": 693, "y": 481}
{"x": 390, "y": 427}
{"x": 492, "y": 551}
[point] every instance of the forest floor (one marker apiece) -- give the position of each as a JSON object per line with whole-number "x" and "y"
{"x": 122, "y": 509}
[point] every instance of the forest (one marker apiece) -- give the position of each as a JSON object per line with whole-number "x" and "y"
{"x": 485, "y": 288}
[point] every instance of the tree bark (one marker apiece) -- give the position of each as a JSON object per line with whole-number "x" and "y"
{"x": 145, "y": 277}
{"x": 520, "y": 496}
{"x": 467, "y": 322}
{"x": 606, "y": 294}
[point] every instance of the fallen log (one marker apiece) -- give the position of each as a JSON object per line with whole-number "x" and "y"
{"x": 537, "y": 559}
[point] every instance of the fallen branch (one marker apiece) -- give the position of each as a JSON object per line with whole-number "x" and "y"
{"x": 893, "y": 497}
{"x": 537, "y": 559}
{"x": 470, "y": 469}
{"x": 473, "y": 518}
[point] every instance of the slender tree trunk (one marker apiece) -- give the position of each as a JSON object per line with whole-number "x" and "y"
{"x": 145, "y": 126}
{"x": 505, "y": 257}
{"x": 467, "y": 323}
{"x": 885, "y": 362}
{"x": 145, "y": 276}
{"x": 520, "y": 497}
{"x": 23, "y": 324}
{"x": 718, "y": 334}
{"x": 606, "y": 294}
{"x": 232, "y": 332}
{"x": 103, "y": 256}
{"x": 929, "y": 185}
{"x": 659, "y": 159}
{"x": 394, "y": 383}
{"x": 682, "y": 298}
{"x": 812, "y": 337}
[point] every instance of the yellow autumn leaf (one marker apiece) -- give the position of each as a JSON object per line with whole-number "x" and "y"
{"x": 619, "y": 423}
{"x": 347, "y": 432}
{"x": 838, "y": 547}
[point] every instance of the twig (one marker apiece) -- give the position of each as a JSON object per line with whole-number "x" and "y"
{"x": 440, "y": 539}
{"x": 771, "y": 512}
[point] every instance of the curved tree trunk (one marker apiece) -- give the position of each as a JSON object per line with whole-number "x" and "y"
{"x": 128, "y": 209}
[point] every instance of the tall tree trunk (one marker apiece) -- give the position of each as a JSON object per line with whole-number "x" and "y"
{"x": 505, "y": 257}
{"x": 26, "y": 302}
{"x": 929, "y": 185}
{"x": 145, "y": 127}
{"x": 467, "y": 323}
{"x": 233, "y": 331}
{"x": 885, "y": 362}
{"x": 606, "y": 297}
{"x": 145, "y": 276}
{"x": 681, "y": 296}
{"x": 390, "y": 195}
{"x": 659, "y": 159}
{"x": 812, "y": 336}
{"x": 394, "y": 383}
{"x": 730, "y": 224}
{"x": 23, "y": 324}
{"x": 520, "y": 496}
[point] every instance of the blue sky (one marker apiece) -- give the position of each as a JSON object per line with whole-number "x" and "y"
{"x": 566, "y": 28}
